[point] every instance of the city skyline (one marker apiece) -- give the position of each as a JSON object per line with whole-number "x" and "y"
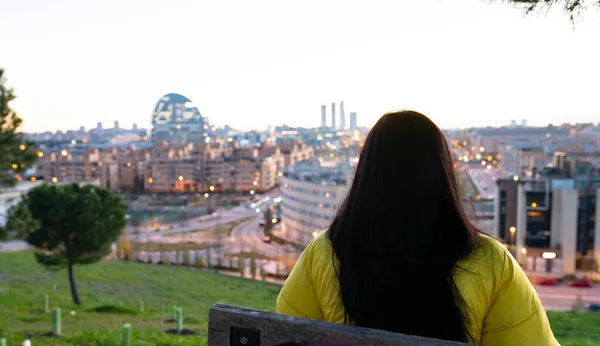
{"x": 470, "y": 64}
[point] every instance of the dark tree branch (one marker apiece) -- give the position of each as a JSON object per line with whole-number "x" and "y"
{"x": 573, "y": 8}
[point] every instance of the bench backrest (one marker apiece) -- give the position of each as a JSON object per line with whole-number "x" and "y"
{"x": 234, "y": 326}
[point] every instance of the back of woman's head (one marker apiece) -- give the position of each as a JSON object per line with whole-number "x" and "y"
{"x": 401, "y": 230}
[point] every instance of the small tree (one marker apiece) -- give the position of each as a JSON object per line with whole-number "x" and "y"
{"x": 16, "y": 154}
{"x": 186, "y": 257}
{"x": 209, "y": 265}
{"x": 124, "y": 247}
{"x": 77, "y": 225}
{"x": 200, "y": 261}
{"x": 165, "y": 258}
{"x": 263, "y": 273}
{"x": 253, "y": 263}
{"x": 241, "y": 265}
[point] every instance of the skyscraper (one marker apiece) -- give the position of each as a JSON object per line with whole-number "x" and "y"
{"x": 333, "y": 126}
{"x": 116, "y": 124}
{"x": 342, "y": 116}
{"x": 99, "y": 126}
{"x": 134, "y": 127}
{"x": 353, "y": 125}
{"x": 323, "y": 116}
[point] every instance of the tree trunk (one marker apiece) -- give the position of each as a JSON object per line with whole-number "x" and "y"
{"x": 73, "y": 286}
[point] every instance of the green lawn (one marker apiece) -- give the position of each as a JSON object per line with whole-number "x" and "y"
{"x": 575, "y": 328}
{"x": 118, "y": 286}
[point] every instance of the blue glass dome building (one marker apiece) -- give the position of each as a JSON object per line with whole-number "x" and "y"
{"x": 176, "y": 120}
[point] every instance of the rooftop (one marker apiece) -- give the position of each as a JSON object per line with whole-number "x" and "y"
{"x": 312, "y": 171}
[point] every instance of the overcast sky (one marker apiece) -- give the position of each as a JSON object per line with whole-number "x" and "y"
{"x": 254, "y": 63}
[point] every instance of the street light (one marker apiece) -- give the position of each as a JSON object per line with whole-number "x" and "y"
{"x": 513, "y": 230}
{"x": 549, "y": 255}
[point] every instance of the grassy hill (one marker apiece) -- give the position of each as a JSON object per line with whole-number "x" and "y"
{"x": 111, "y": 291}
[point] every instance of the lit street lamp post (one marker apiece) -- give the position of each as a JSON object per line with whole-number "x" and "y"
{"x": 513, "y": 230}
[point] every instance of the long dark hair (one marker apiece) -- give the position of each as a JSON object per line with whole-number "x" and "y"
{"x": 401, "y": 230}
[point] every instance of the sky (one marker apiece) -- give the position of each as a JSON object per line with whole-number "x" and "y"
{"x": 256, "y": 63}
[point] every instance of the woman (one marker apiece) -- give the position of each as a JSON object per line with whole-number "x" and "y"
{"x": 400, "y": 255}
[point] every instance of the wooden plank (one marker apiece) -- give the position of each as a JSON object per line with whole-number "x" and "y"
{"x": 278, "y": 329}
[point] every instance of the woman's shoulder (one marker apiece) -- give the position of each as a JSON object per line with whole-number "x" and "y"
{"x": 321, "y": 243}
{"x": 489, "y": 260}
{"x": 489, "y": 247}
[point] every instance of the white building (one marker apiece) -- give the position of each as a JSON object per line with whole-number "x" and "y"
{"x": 310, "y": 197}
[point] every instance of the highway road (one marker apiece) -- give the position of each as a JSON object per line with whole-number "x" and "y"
{"x": 244, "y": 237}
{"x": 485, "y": 181}
{"x": 249, "y": 235}
{"x": 563, "y": 297}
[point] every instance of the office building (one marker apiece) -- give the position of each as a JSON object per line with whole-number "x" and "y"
{"x": 342, "y": 116}
{"x": 176, "y": 121}
{"x": 353, "y": 124}
{"x": 243, "y": 173}
{"x": 134, "y": 127}
{"x": 310, "y": 195}
{"x": 556, "y": 210}
{"x": 99, "y": 126}
{"x": 323, "y": 116}
{"x": 333, "y": 126}
{"x": 296, "y": 151}
{"x": 116, "y": 124}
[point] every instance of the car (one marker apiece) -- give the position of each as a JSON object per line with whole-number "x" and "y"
{"x": 547, "y": 282}
{"x": 583, "y": 283}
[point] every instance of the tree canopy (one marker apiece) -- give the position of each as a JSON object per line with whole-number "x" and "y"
{"x": 573, "y": 8}
{"x": 76, "y": 225}
{"x": 19, "y": 221}
{"x": 16, "y": 154}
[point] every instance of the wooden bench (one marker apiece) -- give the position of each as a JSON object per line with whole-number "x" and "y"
{"x": 234, "y": 326}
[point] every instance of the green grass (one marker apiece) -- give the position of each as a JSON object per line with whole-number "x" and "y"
{"x": 110, "y": 292}
{"x": 575, "y": 328}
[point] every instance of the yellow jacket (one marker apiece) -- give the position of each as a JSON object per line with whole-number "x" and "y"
{"x": 505, "y": 308}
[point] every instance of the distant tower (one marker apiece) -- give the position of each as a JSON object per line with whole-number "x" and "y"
{"x": 134, "y": 127}
{"x": 342, "y": 116}
{"x": 353, "y": 125}
{"x": 513, "y": 123}
{"x": 116, "y": 124}
{"x": 523, "y": 123}
{"x": 99, "y": 126}
{"x": 333, "y": 127}
{"x": 323, "y": 116}
{"x": 82, "y": 129}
